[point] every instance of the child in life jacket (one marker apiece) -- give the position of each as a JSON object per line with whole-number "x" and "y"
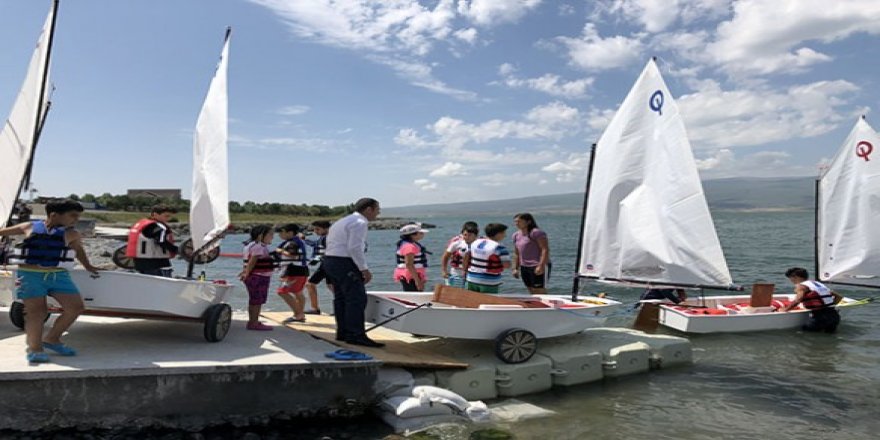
{"x": 257, "y": 273}
{"x": 291, "y": 256}
{"x": 48, "y": 250}
{"x": 486, "y": 260}
{"x": 319, "y": 245}
{"x": 412, "y": 258}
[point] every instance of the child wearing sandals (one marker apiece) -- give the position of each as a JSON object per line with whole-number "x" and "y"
{"x": 291, "y": 255}
{"x": 257, "y": 273}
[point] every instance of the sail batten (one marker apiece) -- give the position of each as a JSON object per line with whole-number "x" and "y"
{"x": 209, "y": 209}
{"x": 19, "y": 133}
{"x": 848, "y": 206}
{"x": 647, "y": 217}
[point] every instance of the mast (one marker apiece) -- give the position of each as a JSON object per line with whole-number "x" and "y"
{"x": 42, "y": 110}
{"x": 575, "y": 286}
{"x": 816, "y": 228}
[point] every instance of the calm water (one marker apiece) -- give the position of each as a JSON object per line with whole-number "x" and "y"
{"x": 787, "y": 384}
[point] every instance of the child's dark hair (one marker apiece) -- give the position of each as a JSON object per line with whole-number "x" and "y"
{"x": 471, "y": 227}
{"x": 321, "y": 224}
{"x": 258, "y": 231}
{"x": 163, "y": 208}
{"x": 63, "y": 206}
{"x": 799, "y": 272}
{"x": 290, "y": 227}
{"x": 493, "y": 229}
{"x": 529, "y": 219}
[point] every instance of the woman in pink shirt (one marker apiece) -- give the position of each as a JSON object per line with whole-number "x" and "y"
{"x": 412, "y": 259}
{"x": 531, "y": 254}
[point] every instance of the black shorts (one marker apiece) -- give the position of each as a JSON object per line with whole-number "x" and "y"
{"x": 822, "y": 320}
{"x": 408, "y": 286}
{"x": 527, "y": 273}
{"x": 318, "y": 276}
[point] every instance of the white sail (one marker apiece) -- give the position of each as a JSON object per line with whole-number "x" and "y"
{"x": 647, "y": 220}
{"x": 19, "y": 130}
{"x": 209, "y": 209}
{"x": 848, "y": 241}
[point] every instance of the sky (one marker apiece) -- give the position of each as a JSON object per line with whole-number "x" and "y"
{"x": 414, "y": 102}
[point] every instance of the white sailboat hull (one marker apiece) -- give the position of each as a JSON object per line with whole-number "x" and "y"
{"x": 137, "y": 294}
{"x": 687, "y": 319}
{"x": 486, "y": 323}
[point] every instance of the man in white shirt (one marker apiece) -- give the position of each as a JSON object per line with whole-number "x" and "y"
{"x": 346, "y": 268}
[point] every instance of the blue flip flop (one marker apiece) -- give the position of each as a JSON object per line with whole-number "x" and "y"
{"x": 61, "y": 349}
{"x": 37, "y": 357}
{"x": 348, "y": 355}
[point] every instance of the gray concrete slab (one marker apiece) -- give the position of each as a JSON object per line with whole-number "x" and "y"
{"x": 163, "y": 373}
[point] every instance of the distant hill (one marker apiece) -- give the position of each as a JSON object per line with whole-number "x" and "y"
{"x": 785, "y": 193}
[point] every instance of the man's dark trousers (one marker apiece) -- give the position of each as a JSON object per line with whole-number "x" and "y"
{"x": 349, "y": 296}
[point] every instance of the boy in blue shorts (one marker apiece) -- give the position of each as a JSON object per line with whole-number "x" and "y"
{"x": 45, "y": 254}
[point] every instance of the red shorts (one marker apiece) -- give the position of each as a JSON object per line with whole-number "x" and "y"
{"x": 292, "y": 284}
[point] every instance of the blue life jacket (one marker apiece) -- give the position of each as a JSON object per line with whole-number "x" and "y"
{"x": 43, "y": 247}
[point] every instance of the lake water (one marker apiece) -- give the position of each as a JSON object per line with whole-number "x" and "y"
{"x": 784, "y": 385}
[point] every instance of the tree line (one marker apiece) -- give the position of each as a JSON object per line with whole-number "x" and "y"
{"x": 143, "y": 203}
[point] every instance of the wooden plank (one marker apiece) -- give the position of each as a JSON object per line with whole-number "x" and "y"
{"x": 455, "y": 296}
{"x": 762, "y": 295}
{"x": 396, "y": 352}
{"x": 648, "y": 318}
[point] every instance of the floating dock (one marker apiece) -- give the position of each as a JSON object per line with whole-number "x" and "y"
{"x": 132, "y": 372}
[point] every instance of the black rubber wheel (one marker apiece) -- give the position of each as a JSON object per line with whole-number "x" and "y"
{"x": 186, "y": 251}
{"x": 515, "y": 345}
{"x": 121, "y": 260}
{"x": 16, "y": 314}
{"x": 218, "y": 319}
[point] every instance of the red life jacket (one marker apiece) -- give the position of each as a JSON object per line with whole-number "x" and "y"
{"x": 819, "y": 296}
{"x": 140, "y": 246}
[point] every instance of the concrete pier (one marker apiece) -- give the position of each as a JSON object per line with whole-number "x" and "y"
{"x": 161, "y": 373}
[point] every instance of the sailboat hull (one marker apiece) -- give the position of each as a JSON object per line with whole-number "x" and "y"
{"x": 728, "y": 314}
{"x": 560, "y": 317}
{"x": 117, "y": 292}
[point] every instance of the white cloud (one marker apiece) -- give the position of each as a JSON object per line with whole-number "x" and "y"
{"x": 766, "y": 37}
{"x": 449, "y": 169}
{"x": 293, "y": 110}
{"x": 550, "y": 121}
{"x": 487, "y": 12}
{"x": 425, "y": 184}
{"x": 729, "y": 118}
{"x": 725, "y": 163}
{"x": 573, "y": 168}
{"x": 591, "y": 52}
{"x": 721, "y": 158}
{"x": 548, "y": 83}
{"x": 310, "y": 144}
{"x": 658, "y": 15}
{"x": 410, "y": 138}
{"x": 468, "y": 35}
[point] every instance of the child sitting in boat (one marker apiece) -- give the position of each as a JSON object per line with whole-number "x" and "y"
{"x": 486, "y": 260}
{"x": 412, "y": 258}
{"x": 258, "y": 267}
{"x": 43, "y": 258}
{"x": 291, "y": 255}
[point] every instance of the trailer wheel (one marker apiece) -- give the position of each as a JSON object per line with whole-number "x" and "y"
{"x": 515, "y": 345}
{"x": 121, "y": 260}
{"x": 218, "y": 319}
{"x": 16, "y": 314}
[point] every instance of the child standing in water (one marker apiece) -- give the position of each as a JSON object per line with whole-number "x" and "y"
{"x": 258, "y": 267}
{"x": 291, "y": 254}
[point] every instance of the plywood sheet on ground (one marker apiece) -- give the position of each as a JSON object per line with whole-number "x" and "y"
{"x": 396, "y": 352}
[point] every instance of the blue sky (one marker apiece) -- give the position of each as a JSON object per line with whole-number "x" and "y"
{"x": 419, "y": 102}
